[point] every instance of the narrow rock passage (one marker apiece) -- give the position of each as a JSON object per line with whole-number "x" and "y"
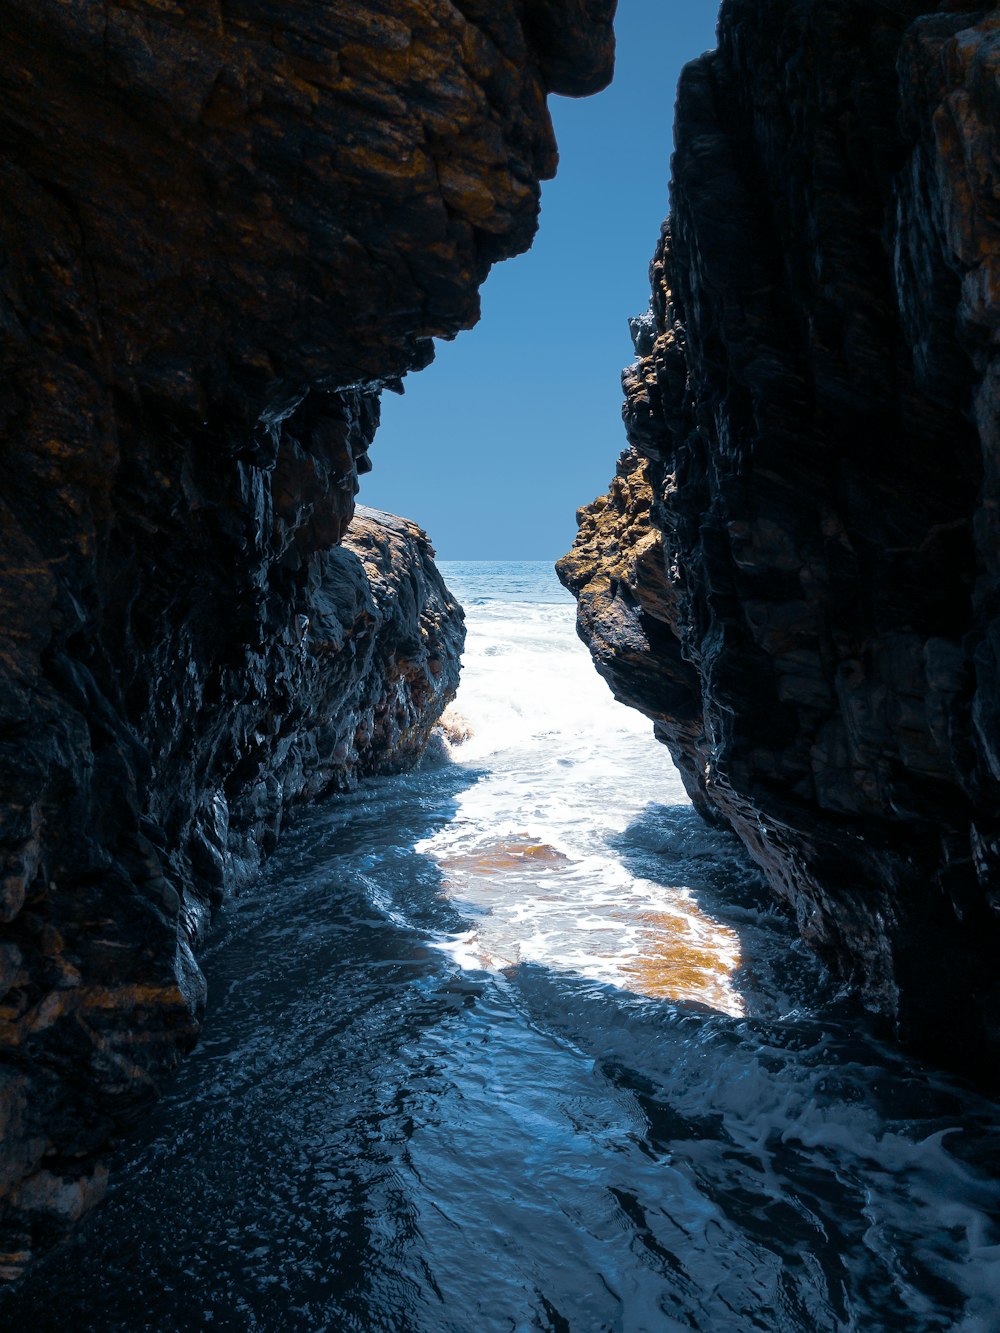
{"x": 443, "y": 1087}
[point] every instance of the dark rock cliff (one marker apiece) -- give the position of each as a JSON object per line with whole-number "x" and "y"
{"x": 226, "y": 227}
{"x": 796, "y": 573}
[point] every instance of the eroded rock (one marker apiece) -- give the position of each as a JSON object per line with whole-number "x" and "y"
{"x": 795, "y": 573}
{"x": 226, "y": 228}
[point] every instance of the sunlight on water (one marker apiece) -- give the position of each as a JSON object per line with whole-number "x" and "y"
{"x": 509, "y": 854}
{"x": 532, "y": 903}
{"x": 684, "y": 954}
{"x": 551, "y": 890}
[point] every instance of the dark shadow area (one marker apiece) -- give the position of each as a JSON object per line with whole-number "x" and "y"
{"x": 370, "y": 1138}
{"x": 241, "y": 1201}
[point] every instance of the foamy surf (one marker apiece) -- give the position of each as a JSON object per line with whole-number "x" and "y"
{"x": 528, "y": 855}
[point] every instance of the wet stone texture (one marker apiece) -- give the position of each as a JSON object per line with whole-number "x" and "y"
{"x": 226, "y": 228}
{"x": 796, "y": 572}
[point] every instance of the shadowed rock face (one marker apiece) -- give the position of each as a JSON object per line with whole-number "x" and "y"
{"x": 796, "y": 572}
{"x": 225, "y": 229}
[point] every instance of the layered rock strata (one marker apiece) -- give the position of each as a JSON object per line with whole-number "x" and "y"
{"x": 796, "y": 572}
{"x": 225, "y": 229}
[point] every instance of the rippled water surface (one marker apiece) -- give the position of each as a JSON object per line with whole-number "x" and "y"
{"x": 516, "y": 1043}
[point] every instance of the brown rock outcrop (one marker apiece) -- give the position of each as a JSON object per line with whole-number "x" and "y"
{"x": 225, "y": 229}
{"x": 796, "y": 572}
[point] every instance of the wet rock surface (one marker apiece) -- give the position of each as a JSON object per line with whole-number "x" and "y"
{"x": 101, "y": 987}
{"x": 795, "y": 572}
{"x": 226, "y": 229}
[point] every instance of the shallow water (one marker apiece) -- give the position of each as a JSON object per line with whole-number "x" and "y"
{"x": 516, "y": 1043}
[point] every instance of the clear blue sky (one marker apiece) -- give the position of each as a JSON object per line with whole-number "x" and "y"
{"x": 518, "y": 422}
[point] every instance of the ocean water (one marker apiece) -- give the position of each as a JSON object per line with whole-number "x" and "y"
{"x": 513, "y": 1043}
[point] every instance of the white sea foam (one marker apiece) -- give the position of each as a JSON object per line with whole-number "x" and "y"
{"x": 530, "y": 854}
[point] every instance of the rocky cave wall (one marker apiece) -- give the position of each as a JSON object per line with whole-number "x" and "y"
{"x": 796, "y": 571}
{"x": 226, "y": 228}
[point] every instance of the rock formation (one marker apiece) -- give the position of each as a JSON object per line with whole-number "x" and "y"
{"x": 796, "y": 572}
{"x": 225, "y": 229}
